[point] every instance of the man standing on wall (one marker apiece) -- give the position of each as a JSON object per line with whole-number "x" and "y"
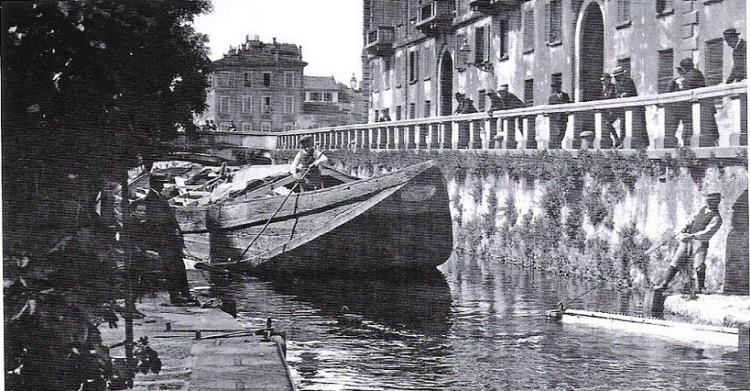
{"x": 694, "y": 243}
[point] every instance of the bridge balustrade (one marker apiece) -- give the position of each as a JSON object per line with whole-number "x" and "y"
{"x": 528, "y": 128}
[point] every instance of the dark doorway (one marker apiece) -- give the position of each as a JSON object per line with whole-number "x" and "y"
{"x": 446, "y": 84}
{"x": 591, "y": 53}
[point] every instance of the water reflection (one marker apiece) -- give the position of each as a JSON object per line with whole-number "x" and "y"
{"x": 412, "y": 302}
{"x": 477, "y": 325}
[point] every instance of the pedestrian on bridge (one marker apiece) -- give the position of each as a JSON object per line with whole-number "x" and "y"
{"x": 689, "y": 78}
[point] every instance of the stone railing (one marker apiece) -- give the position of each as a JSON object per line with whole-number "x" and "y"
{"x": 529, "y": 127}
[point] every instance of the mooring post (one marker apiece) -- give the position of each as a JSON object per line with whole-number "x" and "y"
{"x": 653, "y": 304}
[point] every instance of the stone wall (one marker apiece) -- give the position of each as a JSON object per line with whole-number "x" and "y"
{"x": 598, "y": 215}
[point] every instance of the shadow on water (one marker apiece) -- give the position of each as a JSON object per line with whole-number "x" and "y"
{"x": 414, "y": 301}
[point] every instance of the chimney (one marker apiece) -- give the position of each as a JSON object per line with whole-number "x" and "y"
{"x": 274, "y": 41}
{"x": 247, "y": 37}
{"x": 257, "y": 37}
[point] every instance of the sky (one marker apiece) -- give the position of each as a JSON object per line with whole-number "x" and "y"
{"x": 329, "y": 31}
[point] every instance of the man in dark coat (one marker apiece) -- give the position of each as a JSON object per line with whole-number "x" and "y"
{"x": 465, "y": 104}
{"x": 558, "y": 123}
{"x": 157, "y": 238}
{"x": 503, "y": 100}
{"x": 689, "y": 78}
{"x": 739, "y": 55}
{"x": 694, "y": 242}
{"x": 608, "y": 115}
{"x": 624, "y": 88}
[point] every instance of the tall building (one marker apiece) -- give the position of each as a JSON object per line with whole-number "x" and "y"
{"x": 259, "y": 86}
{"x": 421, "y": 52}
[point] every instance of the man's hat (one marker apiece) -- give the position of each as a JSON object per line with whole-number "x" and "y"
{"x": 605, "y": 76}
{"x": 731, "y": 32}
{"x": 687, "y": 63}
{"x": 502, "y": 87}
{"x": 306, "y": 140}
{"x": 617, "y": 71}
{"x": 713, "y": 196}
{"x": 158, "y": 177}
{"x": 460, "y": 94}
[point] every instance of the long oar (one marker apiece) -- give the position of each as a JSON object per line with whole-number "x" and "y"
{"x": 655, "y": 247}
{"x": 277, "y": 210}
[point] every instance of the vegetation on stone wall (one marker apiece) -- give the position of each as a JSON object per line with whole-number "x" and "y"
{"x": 579, "y": 191}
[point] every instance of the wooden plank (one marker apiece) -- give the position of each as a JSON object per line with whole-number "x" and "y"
{"x": 239, "y": 364}
{"x": 696, "y": 333}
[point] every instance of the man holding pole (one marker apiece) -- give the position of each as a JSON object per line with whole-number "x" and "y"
{"x": 694, "y": 242}
{"x": 306, "y": 165}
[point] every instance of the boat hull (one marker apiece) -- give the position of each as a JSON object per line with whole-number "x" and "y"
{"x": 399, "y": 220}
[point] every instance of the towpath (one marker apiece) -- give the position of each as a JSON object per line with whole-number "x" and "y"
{"x": 216, "y": 361}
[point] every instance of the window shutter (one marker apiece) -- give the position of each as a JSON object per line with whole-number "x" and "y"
{"x": 714, "y": 62}
{"x": 665, "y": 72}
{"x": 528, "y": 31}
{"x": 479, "y": 45}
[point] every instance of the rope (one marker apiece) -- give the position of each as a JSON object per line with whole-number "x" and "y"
{"x": 277, "y": 210}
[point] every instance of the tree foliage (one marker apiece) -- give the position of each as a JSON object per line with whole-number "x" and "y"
{"x": 99, "y": 80}
{"x": 90, "y": 89}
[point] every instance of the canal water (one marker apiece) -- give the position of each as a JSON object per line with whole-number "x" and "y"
{"x": 471, "y": 324}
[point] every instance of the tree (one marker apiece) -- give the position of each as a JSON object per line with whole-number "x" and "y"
{"x": 90, "y": 89}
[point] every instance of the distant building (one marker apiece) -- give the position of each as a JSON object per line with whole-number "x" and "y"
{"x": 420, "y": 53}
{"x": 259, "y": 87}
{"x": 328, "y": 103}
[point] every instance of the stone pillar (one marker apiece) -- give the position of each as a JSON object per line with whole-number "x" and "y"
{"x": 737, "y": 268}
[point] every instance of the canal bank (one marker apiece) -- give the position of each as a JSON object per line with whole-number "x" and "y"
{"x": 204, "y": 347}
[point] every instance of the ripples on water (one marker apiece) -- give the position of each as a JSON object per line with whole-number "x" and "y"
{"x": 469, "y": 327}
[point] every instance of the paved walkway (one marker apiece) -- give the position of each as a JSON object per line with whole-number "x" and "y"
{"x": 716, "y": 310}
{"x": 216, "y": 361}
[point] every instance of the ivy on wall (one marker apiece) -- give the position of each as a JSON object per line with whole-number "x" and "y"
{"x": 578, "y": 189}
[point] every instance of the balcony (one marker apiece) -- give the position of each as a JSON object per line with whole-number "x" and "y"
{"x": 483, "y": 6}
{"x": 435, "y": 16}
{"x": 380, "y": 41}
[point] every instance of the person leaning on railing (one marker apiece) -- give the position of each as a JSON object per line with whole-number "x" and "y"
{"x": 689, "y": 78}
{"x": 558, "y": 122}
{"x": 625, "y": 88}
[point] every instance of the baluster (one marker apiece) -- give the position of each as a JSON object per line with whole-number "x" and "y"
{"x": 524, "y": 132}
{"x": 628, "y": 138}
{"x": 431, "y": 133}
{"x": 598, "y": 136}
{"x": 695, "y": 139}
{"x": 737, "y": 112}
{"x": 567, "y": 142}
{"x": 418, "y": 137}
{"x": 660, "y": 138}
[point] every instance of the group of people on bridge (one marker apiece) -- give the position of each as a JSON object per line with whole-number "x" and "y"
{"x": 618, "y": 84}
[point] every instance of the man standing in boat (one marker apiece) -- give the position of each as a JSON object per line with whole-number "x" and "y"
{"x": 694, "y": 242}
{"x": 306, "y": 165}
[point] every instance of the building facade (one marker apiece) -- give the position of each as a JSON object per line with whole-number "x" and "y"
{"x": 328, "y": 103}
{"x": 419, "y": 53}
{"x": 259, "y": 86}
